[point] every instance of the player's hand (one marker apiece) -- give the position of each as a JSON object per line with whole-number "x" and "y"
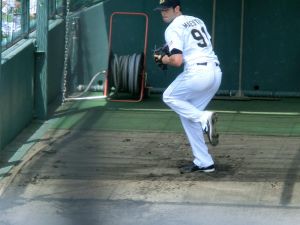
{"x": 158, "y": 58}
{"x": 161, "y": 56}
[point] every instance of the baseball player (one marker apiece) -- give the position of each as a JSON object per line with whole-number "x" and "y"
{"x": 189, "y": 44}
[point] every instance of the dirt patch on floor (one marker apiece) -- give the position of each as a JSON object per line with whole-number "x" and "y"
{"x": 89, "y": 154}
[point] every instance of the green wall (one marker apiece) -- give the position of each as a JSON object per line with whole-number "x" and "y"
{"x": 269, "y": 52}
{"x": 227, "y": 41}
{"x": 16, "y": 92}
{"x": 128, "y": 35}
{"x": 56, "y": 49}
{"x": 17, "y": 88}
{"x": 272, "y": 46}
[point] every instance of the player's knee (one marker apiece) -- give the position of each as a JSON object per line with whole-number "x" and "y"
{"x": 166, "y": 98}
{"x": 169, "y": 100}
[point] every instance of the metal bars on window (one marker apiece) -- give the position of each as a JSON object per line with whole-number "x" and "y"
{"x": 19, "y": 19}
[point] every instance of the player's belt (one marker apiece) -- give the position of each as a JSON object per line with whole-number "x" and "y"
{"x": 205, "y": 64}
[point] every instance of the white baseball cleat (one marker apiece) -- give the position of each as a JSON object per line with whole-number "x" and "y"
{"x": 211, "y": 130}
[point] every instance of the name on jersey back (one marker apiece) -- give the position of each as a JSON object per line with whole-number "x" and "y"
{"x": 191, "y": 23}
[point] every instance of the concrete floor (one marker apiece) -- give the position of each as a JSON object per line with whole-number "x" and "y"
{"x": 82, "y": 175}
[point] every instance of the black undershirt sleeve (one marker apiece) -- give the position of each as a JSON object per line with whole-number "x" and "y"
{"x": 175, "y": 51}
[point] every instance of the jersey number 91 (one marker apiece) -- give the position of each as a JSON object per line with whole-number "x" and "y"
{"x": 200, "y": 36}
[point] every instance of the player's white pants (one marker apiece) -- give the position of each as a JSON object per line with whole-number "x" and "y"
{"x": 188, "y": 95}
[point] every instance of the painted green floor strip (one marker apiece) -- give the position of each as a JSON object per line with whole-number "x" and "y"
{"x": 242, "y": 117}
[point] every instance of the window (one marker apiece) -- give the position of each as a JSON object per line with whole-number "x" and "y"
{"x": 19, "y": 18}
{"x": 11, "y": 20}
{"x": 32, "y": 13}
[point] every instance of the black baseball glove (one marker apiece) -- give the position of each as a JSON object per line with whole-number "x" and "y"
{"x": 159, "y": 53}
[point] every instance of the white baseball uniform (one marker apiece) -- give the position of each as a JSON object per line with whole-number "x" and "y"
{"x": 189, "y": 94}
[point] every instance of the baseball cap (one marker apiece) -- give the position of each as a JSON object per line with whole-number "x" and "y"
{"x": 165, "y": 4}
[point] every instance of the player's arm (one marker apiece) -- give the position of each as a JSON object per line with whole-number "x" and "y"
{"x": 172, "y": 60}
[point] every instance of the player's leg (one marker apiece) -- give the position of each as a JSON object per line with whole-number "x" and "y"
{"x": 193, "y": 130}
{"x": 179, "y": 96}
{"x": 184, "y": 89}
{"x": 202, "y": 103}
{"x": 208, "y": 118}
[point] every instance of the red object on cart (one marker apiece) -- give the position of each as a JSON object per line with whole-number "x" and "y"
{"x": 143, "y": 73}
